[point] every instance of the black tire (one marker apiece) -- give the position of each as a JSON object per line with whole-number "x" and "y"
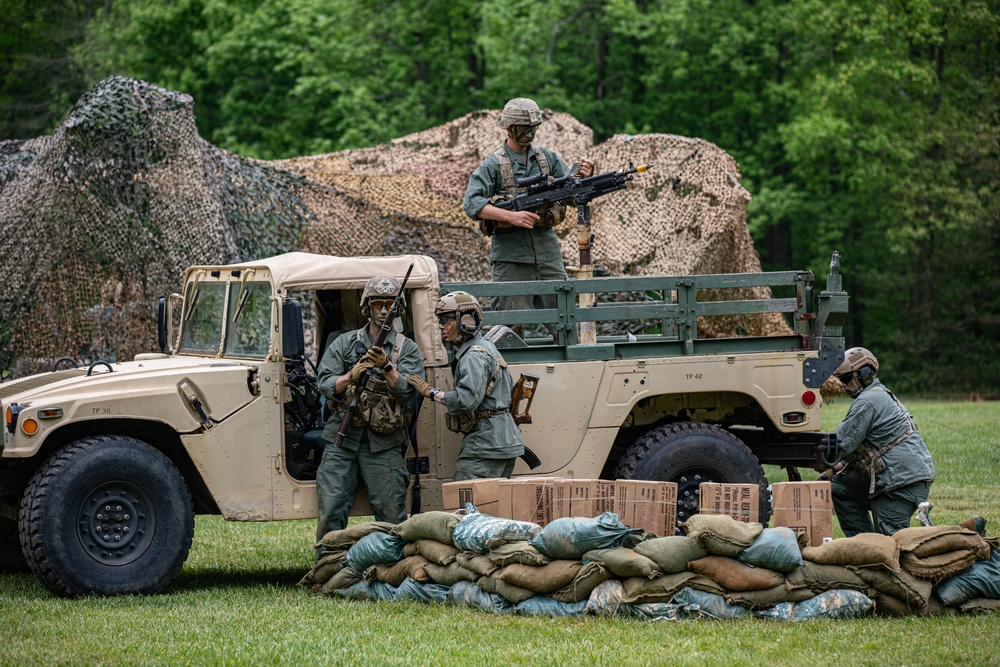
{"x": 107, "y": 515}
{"x": 690, "y": 453}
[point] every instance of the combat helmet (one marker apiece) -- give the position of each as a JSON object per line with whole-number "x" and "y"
{"x": 381, "y": 287}
{"x": 860, "y": 363}
{"x": 520, "y": 111}
{"x": 469, "y": 312}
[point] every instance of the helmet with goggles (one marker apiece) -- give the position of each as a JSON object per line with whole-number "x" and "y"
{"x": 464, "y": 307}
{"x": 381, "y": 288}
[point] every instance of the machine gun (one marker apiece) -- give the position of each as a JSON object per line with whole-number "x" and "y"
{"x": 379, "y": 341}
{"x": 542, "y": 189}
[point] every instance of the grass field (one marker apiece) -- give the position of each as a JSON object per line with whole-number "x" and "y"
{"x": 236, "y": 603}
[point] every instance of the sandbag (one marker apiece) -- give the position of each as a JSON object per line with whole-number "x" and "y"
{"x": 571, "y": 537}
{"x": 864, "y": 550}
{"x": 624, "y": 563}
{"x": 981, "y": 580}
{"x": 345, "y": 539}
{"x": 980, "y": 606}
{"x": 449, "y": 575}
{"x": 925, "y": 541}
{"x": 374, "y": 549}
{"x": 672, "y": 554}
{"x": 346, "y": 577}
{"x": 733, "y": 575}
{"x": 710, "y": 604}
{"x": 541, "y": 605}
{"x": 437, "y": 552}
{"x": 939, "y": 567}
{"x": 410, "y": 549}
{"x": 720, "y": 534}
{"x": 430, "y": 592}
{"x": 396, "y": 574}
{"x": 768, "y": 597}
{"x": 325, "y": 567}
{"x": 541, "y": 579}
{"x": 819, "y": 578}
{"x": 640, "y": 590}
{"x": 776, "y": 549}
{"x": 468, "y": 594}
{"x": 831, "y": 604}
{"x": 914, "y": 592}
{"x": 517, "y": 552}
{"x": 436, "y": 526}
{"x": 481, "y": 532}
{"x": 364, "y": 591}
{"x": 585, "y": 581}
{"x": 509, "y": 592}
{"x": 893, "y": 607}
{"x": 607, "y": 600}
{"x": 477, "y": 563}
{"x": 667, "y": 611}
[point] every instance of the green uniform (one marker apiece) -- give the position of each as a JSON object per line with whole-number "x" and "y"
{"x": 874, "y": 422}
{"x": 375, "y": 457}
{"x": 483, "y": 387}
{"x": 518, "y": 253}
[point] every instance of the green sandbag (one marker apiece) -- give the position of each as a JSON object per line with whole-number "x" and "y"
{"x": 346, "y": 577}
{"x": 437, "y": 526}
{"x": 672, "y": 554}
{"x": 733, "y": 575}
{"x": 510, "y": 592}
{"x": 345, "y": 539}
{"x": 640, "y": 590}
{"x": 477, "y": 563}
{"x": 768, "y": 597}
{"x": 624, "y": 563}
{"x": 820, "y": 578}
{"x": 914, "y": 592}
{"x": 720, "y": 534}
{"x": 517, "y": 552}
{"x": 980, "y": 606}
{"x": 542, "y": 579}
{"x": 325, "y": 567}
{"x": 449, "y": 575}
{"x": 585, "y": 581}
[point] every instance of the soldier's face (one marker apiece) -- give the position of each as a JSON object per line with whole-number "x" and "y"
{"x": 851, "y": 384}
{"x": 379, "y": 309}
{"x": 523, "y": 134}
{"x": 448, "y": 323}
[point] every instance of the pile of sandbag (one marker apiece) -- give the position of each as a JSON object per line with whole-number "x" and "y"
{"x": 722, "y": 568}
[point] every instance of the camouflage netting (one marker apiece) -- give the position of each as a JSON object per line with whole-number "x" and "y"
{"x": 102, "y": 217}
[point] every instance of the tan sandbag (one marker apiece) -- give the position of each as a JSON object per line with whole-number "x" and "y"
{"x": 939, "y": 567}
{"x": 925, "y": 541}
{"x": 624, "y": 563}
{"x": 979, "y": 606}
{"x": 720, "y": 534}
{"x": 477, "y": 563}
{"x": 914, "y": 592}
{"x": 640, "y": 590}
{"x": 517, "y": 552}
{"x": 325, "y": 567}
{"x": 542, "y": 579}
{"x": 410, "y": 549}
{"x": 449, "y": 575}
{"x": 706, "y": 584}
{"x": 733, "y": 575}
{"x": 397, "y": 573}
{"x": 437, "y": 526}
{"x": 436, "y": 552}
{"x": 864, "y": 550}
{"x": 672, "y": 554}
{"x": 821, "y": 578}
{"x": 894, "y": 607}
{"x": 345, "y": 539}
{"x": 509, "y": 592}
{"x": 342, "y": 579}
{"x": 768, "y": 597}
{"x": 586, "y": 580}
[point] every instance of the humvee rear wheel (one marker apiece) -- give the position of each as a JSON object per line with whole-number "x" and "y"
{"x": 690, "y": 453}
{"x": 107, "y": 515}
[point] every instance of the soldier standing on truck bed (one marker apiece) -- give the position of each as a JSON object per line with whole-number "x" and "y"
{"x": 479, "y": 406}
{"x": 886, "y": 470}
{"x": 525, "y": 245}
{"x": 372, "y": 447}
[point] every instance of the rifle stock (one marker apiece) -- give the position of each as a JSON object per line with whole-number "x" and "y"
{"x": 524, "y": 390}
{"x": 352, "y": 408}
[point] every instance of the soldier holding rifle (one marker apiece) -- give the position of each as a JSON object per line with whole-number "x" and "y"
{"x": 365, "y": 383}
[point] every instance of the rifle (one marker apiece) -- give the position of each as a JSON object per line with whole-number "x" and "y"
{"x": 524, "y": 390}
{"x": 379, "y": 341}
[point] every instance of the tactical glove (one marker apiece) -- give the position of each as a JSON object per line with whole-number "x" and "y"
{"x": 376, "y": 355}
{"x": 359, "y": 370}
{"x": 420, "y": 385}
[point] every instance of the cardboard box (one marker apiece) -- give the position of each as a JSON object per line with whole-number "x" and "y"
{"x": 739, "y": 501}
{"x": 648, "y": 505}
{"x": 526, "y": 499}
{"x": 480, "y": 492}
{"x": 591, "y": 497}
{"x": 562, "y": 505}
{"x": 805, "y": 507}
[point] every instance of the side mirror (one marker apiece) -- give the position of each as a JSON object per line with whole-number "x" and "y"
{"x": 293, "y": 342}
{"x": 161, "y": 323}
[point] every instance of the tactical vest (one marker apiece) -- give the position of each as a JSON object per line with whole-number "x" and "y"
{"x": 550, "y": 215}
{"x": 466, "y": 421}
{"x": 868, "y": 459}
{"x": 378, "y": 408}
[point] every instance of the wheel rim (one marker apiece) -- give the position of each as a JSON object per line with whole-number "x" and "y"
{"x": 688, "y": 489}
{"x": 116, "y": 523}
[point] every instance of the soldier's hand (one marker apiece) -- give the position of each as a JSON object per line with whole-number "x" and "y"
{"x": 587, "y": 168}
{"x": 376, "y": 355}
{"x": 420, "y": 385}
{"x": 525, "y": 219}
{"x": 359, "y": 370}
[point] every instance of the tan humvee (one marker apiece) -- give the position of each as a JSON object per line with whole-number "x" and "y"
{"x": 104, "y": 467}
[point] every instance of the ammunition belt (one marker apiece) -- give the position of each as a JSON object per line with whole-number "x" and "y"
{"x": 486, "y": 414}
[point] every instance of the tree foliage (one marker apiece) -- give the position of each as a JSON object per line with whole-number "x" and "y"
{"x": 867, "y": 126}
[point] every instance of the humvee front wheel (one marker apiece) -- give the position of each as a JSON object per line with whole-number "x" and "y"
{"x": 690, "y": 453}
{"x": 107, "y": 515}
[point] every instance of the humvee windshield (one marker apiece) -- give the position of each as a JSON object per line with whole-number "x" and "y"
{"x": 234, "y": 313}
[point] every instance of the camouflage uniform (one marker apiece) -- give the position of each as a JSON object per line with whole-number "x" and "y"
{"x": 376, "y": 457}
{"x": 491, "y": 448}
{"x": 518, "y": 253}
{"x": 874, "y": 421}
